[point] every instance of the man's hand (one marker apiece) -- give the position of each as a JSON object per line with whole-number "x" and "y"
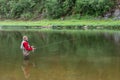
{"x": 33, "y": 48}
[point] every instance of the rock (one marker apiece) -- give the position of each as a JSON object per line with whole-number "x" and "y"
{"x": 116, "y": 13}
{"x": 85, "y": 27}
{"x": 106, "y": 16}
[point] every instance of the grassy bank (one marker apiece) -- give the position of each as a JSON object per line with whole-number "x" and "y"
{"x": 62, "y": 23}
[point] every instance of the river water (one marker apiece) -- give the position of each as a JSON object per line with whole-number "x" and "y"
{"x": 61, "y": 55}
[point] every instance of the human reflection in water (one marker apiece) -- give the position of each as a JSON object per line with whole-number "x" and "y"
{"x": 26, "y": 67}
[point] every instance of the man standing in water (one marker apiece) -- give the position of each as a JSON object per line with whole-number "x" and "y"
{"x": 26, "y": 48}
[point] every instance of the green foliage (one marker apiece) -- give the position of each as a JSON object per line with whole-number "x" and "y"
{"x": 59, "y": 8}
{"x": 93, "y": 7}
{"x": 15, "y": 8}
{"x": 54, "y": 10}
{"x": 27, "y": 9}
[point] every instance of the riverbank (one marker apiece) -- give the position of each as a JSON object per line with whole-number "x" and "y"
{"x": 61, "y": 23}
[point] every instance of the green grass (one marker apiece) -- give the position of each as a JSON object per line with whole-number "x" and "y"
{"x": 61, "y": 23}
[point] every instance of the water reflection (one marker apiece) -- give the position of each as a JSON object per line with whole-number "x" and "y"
{"x": 26, "y": 68}
{"x": 115, "y": 37}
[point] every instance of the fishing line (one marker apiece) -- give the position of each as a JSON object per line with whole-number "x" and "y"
{"x": 48, "y": 45}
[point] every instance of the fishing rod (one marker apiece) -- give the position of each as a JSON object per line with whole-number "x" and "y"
{"x": 48, "y": 45}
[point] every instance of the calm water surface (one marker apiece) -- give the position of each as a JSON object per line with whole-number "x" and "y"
{"x": 61, "y": 56}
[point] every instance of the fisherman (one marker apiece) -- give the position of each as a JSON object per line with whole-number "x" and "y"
{"x": 26, "y": 47}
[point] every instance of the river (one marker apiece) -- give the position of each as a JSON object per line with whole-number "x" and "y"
{"x": 61, "y": 55}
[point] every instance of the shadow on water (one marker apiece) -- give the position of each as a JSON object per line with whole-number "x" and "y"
{"x": 61, "y": 55}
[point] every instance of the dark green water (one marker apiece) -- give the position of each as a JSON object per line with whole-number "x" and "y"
{"x": 61, "y": 55}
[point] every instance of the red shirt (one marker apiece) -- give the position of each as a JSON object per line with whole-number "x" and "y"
{"x": 27, "y": 46}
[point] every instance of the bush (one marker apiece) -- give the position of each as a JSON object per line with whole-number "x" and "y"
{"x": 93, "y": 7}
{"x": 14, "y": 9}
{"x": 53, "y": 8}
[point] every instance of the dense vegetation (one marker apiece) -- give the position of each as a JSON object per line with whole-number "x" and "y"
{"x": 39, "y": 9}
